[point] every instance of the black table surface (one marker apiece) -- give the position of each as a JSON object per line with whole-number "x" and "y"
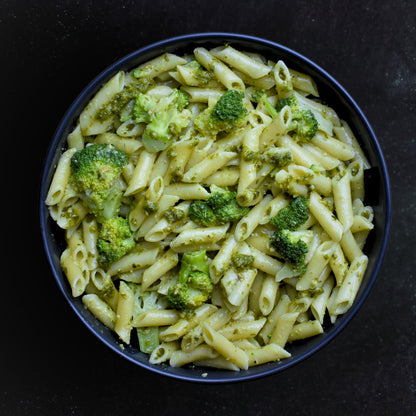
{"x": 50, "y": 363}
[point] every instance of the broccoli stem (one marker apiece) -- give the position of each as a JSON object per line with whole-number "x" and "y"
{"x": 148, "y": 338}
{"x": 269, "y": 107}
{"x": 195, "y": 261}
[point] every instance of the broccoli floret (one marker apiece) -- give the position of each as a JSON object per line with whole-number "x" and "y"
{"x": 118, "y": 102}
{"x": 279, "y": 157}
{"x": 290, "y": 101}
{"x": 228, "y": 113}
{"x": 225, "y": 206}
{"x": 201, "y": 213}
{"x": 115, "y": 239}
{"x": 304, "y": 124}
{"x": 219, "y": 208}
{"x": 290, "y": 246}
{"x": 96, "y": 175}
{"x": 193, "y": 286}
{"x": 289, "y": 243}
{"x": 292, "y": 216}
{"x": 165, "y": 118}
{"x": 259, "y": 96}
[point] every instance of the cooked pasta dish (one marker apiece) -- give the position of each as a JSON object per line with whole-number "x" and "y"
{"x": 213, "y": 209}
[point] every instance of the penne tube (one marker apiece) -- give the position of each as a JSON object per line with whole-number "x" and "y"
{"x": 184, "y": 325}
{"x": 349, "y": 287}
{"x": 197, "y": 236}
{"x": 194, "y": 337}
{"x": 334, "y": 147}
{"x": 268, "y": 294}
{"x": 141, "y": 173}
{"x": 77, "y": 276}
{"x": 122, "y": 325}
{"x": 349, "y": 244}
{"x": 163, "y": 352}
{"x": 343, "y": 201}
{"x": 100, "y": 310}
{"x": 180, "y": 358}
{"x": 221, "y": 71}
{"x": 338, "y": 264}
{"x": 325, "y": 217}
{"x": 133, "y": 261}
{"x": 224, "y": 347}
{"x": 75, "y": 140}
{"x": 320, "y": 302}
{"x": 316, "y": 266}
{"x": 187, "y": 191}
{"x": 157, "y": 317}
{"x": 250, "y": 221}
{"x": 158, "y": 65}
{"x": 91, "y": 125}
{"x": 244, "y": 63}
{"x": 305, "y": 330}
{"x": 208, "y": 166}
{"x": 265, "y": 354}
{"x": 283, "y": 78}
{"x": 126, "y": 145}
{"x": 242, "y": 329}
{"x": 60, "y": 179}
{"x": 283, "y": 328}
{"x": 303, "y": 82}
{"x": 158, "y": 269}
{"x": 345, "y": 134}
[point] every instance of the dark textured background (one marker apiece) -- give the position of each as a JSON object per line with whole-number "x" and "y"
{"x": 50, "y": 363}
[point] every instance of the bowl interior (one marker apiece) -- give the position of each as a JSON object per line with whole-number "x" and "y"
{"x": 377, "y": 195}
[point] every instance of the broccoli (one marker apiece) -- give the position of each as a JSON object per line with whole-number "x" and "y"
{"x": 259, "y": 96}
{"x": 219, "y": 208}
{"x": 201, "y": 213}
{"x": 304, "y": 124}
{"x": 118, "y": 102}
{"x": 291, "y": 246}
{"x": 228, "y": 113}
{"x": 225, "y": 206}
{"x": 96, "y": 175}
{"x": 165, "y": 118}
{"x": 115, "y": 239}
{"x": 193, "y": 286}
{"x": 278, "y": 157}
{"x": 293, "y": 216}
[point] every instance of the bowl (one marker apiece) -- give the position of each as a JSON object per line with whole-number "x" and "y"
{"x": 377, "y": 195}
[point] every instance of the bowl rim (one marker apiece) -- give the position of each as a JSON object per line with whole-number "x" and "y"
{"x": 91, "y": 88}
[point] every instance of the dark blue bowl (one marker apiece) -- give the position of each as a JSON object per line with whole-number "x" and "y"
{"x": 377, "y": 195}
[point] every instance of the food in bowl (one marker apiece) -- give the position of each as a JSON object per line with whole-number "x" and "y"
{"x": 213, "y": 208}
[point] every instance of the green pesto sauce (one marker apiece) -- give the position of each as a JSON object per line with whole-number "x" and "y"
{"x": 120, "y": 100}
{"x": 242, "y": 261}
{"x": 174, "y": 214}
{"x": 150, "y": 207}
{"x": 108, "y": 291}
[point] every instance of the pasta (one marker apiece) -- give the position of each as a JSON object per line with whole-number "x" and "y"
{"x": 256, "y": 298}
